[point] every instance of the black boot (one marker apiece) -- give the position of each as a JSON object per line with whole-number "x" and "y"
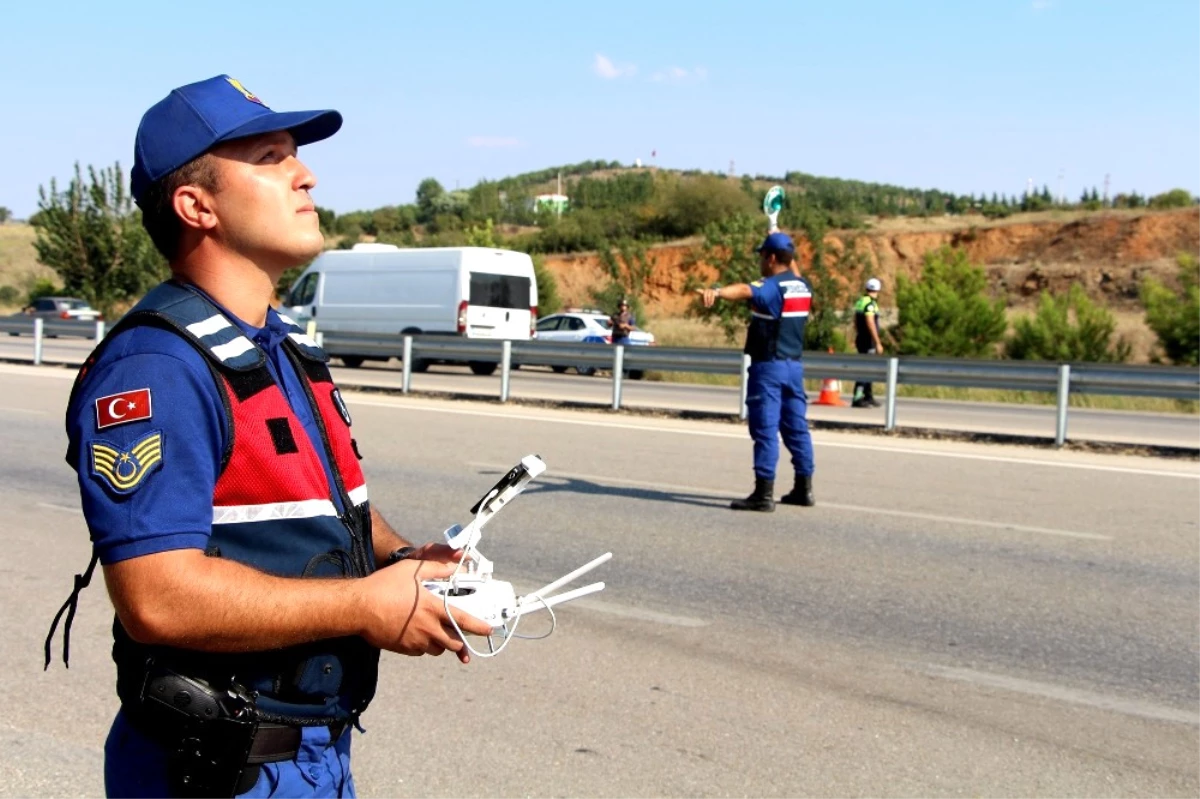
{"x": 763, "y": 498}
{"x": 802, "y": 494}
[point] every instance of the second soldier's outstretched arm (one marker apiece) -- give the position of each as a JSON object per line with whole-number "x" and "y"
{"x": 736, "y": 291}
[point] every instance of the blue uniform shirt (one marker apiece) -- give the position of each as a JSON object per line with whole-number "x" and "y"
{"x": 779, "y": 308}
{"x": 171, "y": 505}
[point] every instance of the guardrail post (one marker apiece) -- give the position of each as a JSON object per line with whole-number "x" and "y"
{"x": 407, "y": 367}
{"x": 39, "y": 326}
{"x": 505, "y": 367}
{"x": 99, "y": 329}
{"x": 1064, "y": 395}
{"x": 618, "y": 368}
{"x": 743, "y": 411}
{"x": 893, "y": 374}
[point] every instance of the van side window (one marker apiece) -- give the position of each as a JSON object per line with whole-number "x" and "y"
{"x": 306, "y": 292}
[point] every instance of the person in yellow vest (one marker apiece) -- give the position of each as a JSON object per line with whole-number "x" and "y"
{"x": 866, "y": 337}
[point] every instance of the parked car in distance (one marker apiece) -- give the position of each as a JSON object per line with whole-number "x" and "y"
{"x": 62, "y": 308}
{"x": 586, "y": 326}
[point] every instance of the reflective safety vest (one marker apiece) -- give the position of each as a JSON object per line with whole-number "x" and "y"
{"x": 770, "y": 336}
{"x": 274, "y": 510}
{"x": 862, "y": 334}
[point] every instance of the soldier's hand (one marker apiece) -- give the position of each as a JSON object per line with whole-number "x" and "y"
{"x": 709, "y": 295}
{"x": 402, "y": 616}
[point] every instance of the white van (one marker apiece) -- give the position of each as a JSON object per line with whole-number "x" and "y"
{"x": 474, "y": 292}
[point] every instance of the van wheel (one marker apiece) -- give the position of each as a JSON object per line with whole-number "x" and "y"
{"x": 482, "y": 368}
{"x": 585, "y": 371}
{"x": 420, "y": 365}
{"x": 558, "y": 370}
{"x": 636, "y": 374}
{"x": 353, "y": 361}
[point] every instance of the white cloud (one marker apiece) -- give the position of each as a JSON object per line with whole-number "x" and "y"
{"x": 493, "y": 141}
{"x": 605, "y": 68}
{"x": 674, "y": 74}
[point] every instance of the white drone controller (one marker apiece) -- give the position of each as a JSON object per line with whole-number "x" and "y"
{"x": 473, "y": 590}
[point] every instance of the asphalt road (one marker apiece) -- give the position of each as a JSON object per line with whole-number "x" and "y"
{"x": 950, "y": 620}
{"x": 538, "y": 383}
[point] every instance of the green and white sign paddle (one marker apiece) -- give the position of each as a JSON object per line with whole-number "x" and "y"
{"x": 772, "y": 205}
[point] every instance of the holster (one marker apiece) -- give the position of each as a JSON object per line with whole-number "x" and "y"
{"x": 215, "y": 742}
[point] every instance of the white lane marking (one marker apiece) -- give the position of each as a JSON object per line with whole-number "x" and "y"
{"x": 356, "y": 399}
{"x": 61, "y": 508}
{"x": 1129, "y": 707}
{"x": 716, "y": 492}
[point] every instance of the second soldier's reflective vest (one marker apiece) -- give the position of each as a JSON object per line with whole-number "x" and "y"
{"x": 770, "y": 337}
{"x": 273, "y": 510}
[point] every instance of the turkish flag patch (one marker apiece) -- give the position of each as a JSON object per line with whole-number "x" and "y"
{"x": 128, "y": 406}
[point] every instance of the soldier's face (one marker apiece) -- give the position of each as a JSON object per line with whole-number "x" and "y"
{"x": 263, "y": 205}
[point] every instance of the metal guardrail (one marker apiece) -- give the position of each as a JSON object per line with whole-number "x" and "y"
{"x": 1062, "y": 379}
{"x": 41, "y": 328}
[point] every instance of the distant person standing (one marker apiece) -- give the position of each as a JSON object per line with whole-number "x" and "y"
{"x": 623, "y": 323}
{"x": 779, "y": 307}
{"x": 866, "y": 338}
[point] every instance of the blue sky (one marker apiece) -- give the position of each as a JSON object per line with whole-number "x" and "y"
{"x": 962, "y": 96}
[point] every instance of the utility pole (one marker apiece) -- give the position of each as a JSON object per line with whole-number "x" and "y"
{"x": 1062, "y": 198}
{"x": 731, "y": 172}
{"x": 1106, "y": 188}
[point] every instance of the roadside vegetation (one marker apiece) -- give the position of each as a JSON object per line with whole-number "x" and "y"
{"x": 89, "y": 242}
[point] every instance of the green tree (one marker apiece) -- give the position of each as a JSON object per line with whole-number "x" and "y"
{"x": 629, "y": 265}
{"x": 1175, "y": 198}
{"x": 1068, "y": 327}
{"x": 946, "y": 311}
{"x": 429, "y": 191}
{"x": 692, "y": 204}
{"x": 729, "y": 247}
{"x": 1174, "y": 316}
{"x": 828, "y": 276}
{"x": 5, "y": 214}
{"x": 547, "y": 288}
{"x": 91, "y": 235}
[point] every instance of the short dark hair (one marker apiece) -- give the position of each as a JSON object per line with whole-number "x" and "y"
{"x": 158, "y": 202}
{"x": 784, "y": 257}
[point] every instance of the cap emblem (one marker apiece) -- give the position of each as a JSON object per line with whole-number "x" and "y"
{"x": 237, "y": 84}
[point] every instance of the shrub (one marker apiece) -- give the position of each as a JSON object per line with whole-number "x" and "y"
{"x": 1175, "y": 316}
{"x": 946, "y": 312}
{"x": 1068, "y": 327}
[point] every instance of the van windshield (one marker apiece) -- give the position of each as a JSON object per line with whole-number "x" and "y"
{"x": 500, "y": 291}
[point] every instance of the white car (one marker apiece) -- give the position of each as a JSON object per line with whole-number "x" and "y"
{"x": 586, "y": 326}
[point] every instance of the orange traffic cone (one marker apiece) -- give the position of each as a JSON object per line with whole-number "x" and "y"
{"x": 831, "y": 393}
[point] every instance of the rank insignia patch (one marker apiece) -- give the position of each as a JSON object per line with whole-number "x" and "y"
{"x": 125, "y": 470}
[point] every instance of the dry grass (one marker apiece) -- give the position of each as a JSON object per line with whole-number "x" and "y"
{"x": 19, "y": 266}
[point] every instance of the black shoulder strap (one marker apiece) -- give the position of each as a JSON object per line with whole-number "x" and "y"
{"x": 69, "y": 607}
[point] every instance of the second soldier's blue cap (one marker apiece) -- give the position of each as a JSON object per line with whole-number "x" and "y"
{"x": 776, "y": 242}
{"x": 193, "y": 119}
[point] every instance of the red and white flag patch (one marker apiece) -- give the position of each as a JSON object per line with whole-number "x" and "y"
{"x": 128, "y": 406}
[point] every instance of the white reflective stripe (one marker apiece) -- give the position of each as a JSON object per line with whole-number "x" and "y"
{"x": 212, "y": 324}
{"x": 302, "y": 340}
{"x": 796, "y": 313}
{"x": 232, "y": 349}
{"x": 287, "y": 320}
{"x": 305, "y": 509}
{"x": 359, "y": 495}
{"x": 761, "y": 315}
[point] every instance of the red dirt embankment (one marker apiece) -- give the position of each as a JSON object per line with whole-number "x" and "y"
{"x": 1108, "y": 253}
